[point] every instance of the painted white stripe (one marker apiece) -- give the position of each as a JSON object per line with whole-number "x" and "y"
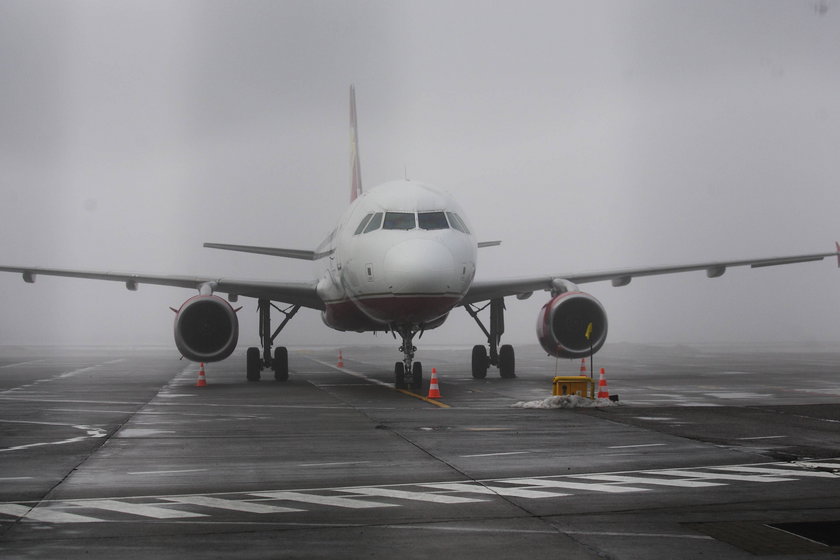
{"x": 336, "y": 501}
{"x": 22, "y": 363}
{"x": 783, "y": 472}
{"x": 760, "y": 437}
{"x": 576, "y": 485}
{"x": 638, "y": 445}
{"x": 497, "y": 454}
{"x": 817, "y": 465}
{"x": 16, "y": 478}
{"x": 168, "y": 472}
{"x": 143, "y": 510}
{"x": 497, "y": 490}
{"x": 334, "y": 464}
{"x": 233, "y": 505}
{"x": 716, "y": 476}
{"x": 651, "y": 480}
{"x": 44, "y": 514}
{"x": 651, "y": 535}
{"x": 416, "y": 496}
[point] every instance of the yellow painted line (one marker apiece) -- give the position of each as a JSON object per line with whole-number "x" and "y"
{"x": 381, "y": 383}
{"x": 422, "y": 398}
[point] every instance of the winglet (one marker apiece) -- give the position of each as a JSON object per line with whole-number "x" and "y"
{"x": 356, "y": 184}
{"x": 837, "y": 244}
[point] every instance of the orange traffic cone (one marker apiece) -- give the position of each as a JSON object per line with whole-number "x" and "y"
{"x": 340, "y": 359}
{"x": 583, "y": 366}
{"x": 434, "y": 390}
{"x": 603, "y": 393}
{"x": 202, "y": 380}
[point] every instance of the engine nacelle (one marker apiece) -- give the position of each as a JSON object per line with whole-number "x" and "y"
{"x": 206, "y": 329}
{"x": 563, "y": 323}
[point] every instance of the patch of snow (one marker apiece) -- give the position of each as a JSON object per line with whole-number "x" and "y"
{"x": 565, "y": 401}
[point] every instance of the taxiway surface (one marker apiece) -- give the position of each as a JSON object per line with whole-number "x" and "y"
{"x": 711, "y": 452}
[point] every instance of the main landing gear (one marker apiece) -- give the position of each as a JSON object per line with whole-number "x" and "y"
{"x": 280, "y": 361}
{"x": 503, "y": 356}
{"x": 408, "y": 373}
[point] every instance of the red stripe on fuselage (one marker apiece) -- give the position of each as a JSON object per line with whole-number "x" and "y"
{"x": 374, "y": 313}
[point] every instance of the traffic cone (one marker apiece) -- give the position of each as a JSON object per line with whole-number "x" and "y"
{"x": 434, "y": 390}
{"x": 603, "y": 393}
{"x": 202, "y": 380}
{"x": 583, "y": 366}
{"x": 340, "y": 359}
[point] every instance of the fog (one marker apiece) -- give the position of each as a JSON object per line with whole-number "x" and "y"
{"x": 585, "y": 135}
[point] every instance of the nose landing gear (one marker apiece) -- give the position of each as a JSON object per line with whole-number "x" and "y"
{"x": 408, "y": 374}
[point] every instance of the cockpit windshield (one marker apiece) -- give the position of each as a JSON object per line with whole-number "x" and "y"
{"x": 432, "y": 220}
{"x": 399, "y": 220}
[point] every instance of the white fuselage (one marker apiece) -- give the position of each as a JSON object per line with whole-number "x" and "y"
{"x": 402, "y": 255}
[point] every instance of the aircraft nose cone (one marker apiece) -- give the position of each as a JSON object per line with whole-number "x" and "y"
{"x": 419, "y": 266}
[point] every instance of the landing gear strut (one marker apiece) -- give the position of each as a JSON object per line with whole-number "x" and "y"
{"x": 408, "y": 373}
{"x": 503, "y": 356}
{"x": 280, "y": 361}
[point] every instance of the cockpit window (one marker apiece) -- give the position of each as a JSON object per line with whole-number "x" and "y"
{"x": 457, "y": 223}
{"x": 362, "y": 224}
{"x": 399, "y": 220}
{"x": 432, "y": 220}
{"x": 375, "y": 222}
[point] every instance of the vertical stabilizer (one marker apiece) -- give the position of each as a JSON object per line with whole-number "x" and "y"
{"x": 356, "y": 185}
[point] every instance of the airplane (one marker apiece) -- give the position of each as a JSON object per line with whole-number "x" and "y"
{"x": 400, "y": 259}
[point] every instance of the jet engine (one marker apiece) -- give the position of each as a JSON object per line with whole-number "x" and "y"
{"x": 563, "y": 325}
{"x": 206, "y": 329}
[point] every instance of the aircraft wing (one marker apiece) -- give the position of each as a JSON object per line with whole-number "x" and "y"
{"x": 300, "y": 293}
{"x": 523, "y": 287}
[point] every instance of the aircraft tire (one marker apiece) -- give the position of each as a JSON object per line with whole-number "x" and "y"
{"x": 252, "y": 358}
{"x": 507, "y": 362}
{"x": 281, "y": 364}
{"x": 399, "y": 375}
{"x": 479, "y": 362}
{"x": 417, "y": 376}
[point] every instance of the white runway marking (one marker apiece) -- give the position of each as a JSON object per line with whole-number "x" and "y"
{"x": 638, "y": 445}
{"x": 443, "y": 494}
{"x": 416, "y": 496}
{"x": 233, "y": 505}
{"x": 336, "y": 501}
{"x": 498, "y": 490}
{"x": 340, "y": 463}
{"x": 22, "y": 363}
{"x": 91, "y": 433}
{"x": 551, "y": 483}
{"x": 650, "y": 480}
{"x": 760, "y": 437}
{"x": 498, "y": 454}
{"x": 142, "y": 510}
{"x": 168, "y": 472}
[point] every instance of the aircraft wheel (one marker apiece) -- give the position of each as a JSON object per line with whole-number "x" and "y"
{"x": 417, "y": 376}
{"x": 479, "y": 362}
{"x": 281, "y": 364}
{"x": 399, "y": 375}
{"x": 253, "y": 365}
{"x": 507, "y": 362}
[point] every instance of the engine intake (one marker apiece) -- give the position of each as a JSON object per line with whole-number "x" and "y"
{"x": 563, "y": 322}
{"x": 206, "y": 329}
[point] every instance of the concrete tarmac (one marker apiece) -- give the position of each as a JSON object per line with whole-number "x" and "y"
{"x": 711, "y": 452}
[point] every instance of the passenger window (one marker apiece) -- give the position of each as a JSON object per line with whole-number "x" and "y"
{"x": 399, "y": 220}
{"x": 432, "y": 220}
{"x": 362, "y": 224}
{"x": 374, "y": 223}
{"x": 457, "y": 223}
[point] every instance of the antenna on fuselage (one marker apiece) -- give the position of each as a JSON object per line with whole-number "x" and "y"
{"x": 356, "y": 171}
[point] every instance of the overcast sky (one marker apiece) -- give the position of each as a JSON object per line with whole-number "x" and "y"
{"x": 586, "y": 135}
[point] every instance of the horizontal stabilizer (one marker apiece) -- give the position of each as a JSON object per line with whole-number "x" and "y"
{"x": 488, "y": 244}
{"x": 273, "y": 251}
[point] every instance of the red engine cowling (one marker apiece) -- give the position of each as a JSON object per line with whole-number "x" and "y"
{"x": 563, "y": 323}
{"x": 206, "y": 329}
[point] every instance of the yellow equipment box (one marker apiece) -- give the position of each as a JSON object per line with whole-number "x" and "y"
{"x": 574, "y": 385}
